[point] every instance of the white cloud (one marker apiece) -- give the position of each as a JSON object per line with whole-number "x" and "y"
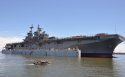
{"x": 4, "y": 40}
{"x": 120, "y": 48}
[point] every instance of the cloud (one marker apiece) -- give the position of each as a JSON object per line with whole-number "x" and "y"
{"x": 5, "y": 40}
{"x": 120, "y": 48}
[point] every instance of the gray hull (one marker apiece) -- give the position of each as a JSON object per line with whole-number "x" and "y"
{"x": 40, "y": 52}
{"x": 100, "y": 45}
{"x": 103, "y": 48}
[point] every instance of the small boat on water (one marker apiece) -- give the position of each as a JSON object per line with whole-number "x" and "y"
{"x": 41, "y": 62}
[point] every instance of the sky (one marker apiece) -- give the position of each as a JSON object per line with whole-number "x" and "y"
{"x": 61, "y": 18}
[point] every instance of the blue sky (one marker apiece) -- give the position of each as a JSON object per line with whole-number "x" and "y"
{"x": 62, "y": 18}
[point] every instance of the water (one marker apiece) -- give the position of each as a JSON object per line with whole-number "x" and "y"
{"x": 21, "y": 66}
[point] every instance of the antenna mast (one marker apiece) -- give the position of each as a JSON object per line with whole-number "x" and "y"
{"x": 31, "y": 28}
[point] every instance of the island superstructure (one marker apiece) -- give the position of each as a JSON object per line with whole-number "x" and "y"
{"x": 39, "y": 42}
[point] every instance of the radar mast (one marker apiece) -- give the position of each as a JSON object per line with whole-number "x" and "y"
{"x": 39, "y": 29}
{"x": 31, "y": 28}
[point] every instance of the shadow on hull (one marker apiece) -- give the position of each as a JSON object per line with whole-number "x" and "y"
{"x": 101, "y": 55}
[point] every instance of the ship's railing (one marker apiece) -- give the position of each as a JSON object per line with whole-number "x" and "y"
{"x": 109, "y": 37}
{"x": 41, "y": 49}
{"x": 72, "y": 39}
{"x": 82, "y": 37}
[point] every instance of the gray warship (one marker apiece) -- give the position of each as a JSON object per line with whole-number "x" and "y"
{"x": 39, "y": 43}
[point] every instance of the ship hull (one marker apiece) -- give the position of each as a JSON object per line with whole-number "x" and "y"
{"x": 104, "y": 48}
{"x": 41, "y": 52}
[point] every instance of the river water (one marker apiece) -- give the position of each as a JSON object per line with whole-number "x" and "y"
{"x": 21, "y": 66}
